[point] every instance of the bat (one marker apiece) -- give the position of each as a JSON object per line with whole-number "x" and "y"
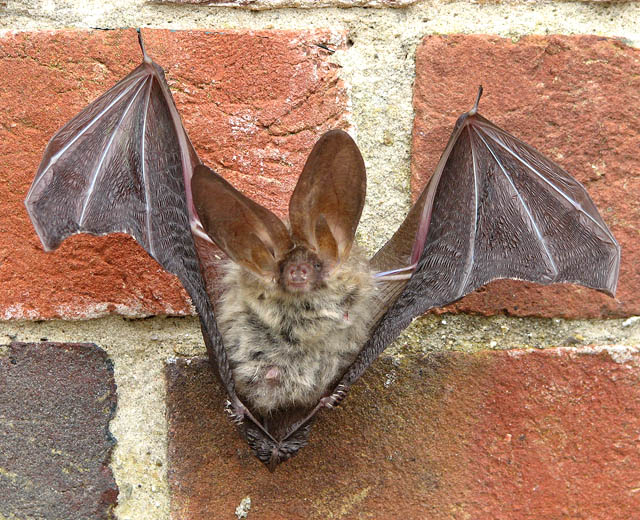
{"x": 303, "y": 312}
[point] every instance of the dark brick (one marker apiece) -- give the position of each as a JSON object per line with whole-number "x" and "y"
{"x": 56, "y": 401}
{"x": 489, "y": 436}
{"x": 574, "y": 98}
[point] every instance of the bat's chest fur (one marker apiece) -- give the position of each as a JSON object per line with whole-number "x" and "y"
{"x": 288, "y": 349}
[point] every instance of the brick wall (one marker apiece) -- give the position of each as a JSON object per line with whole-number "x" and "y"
{"x": 519, "y": 402}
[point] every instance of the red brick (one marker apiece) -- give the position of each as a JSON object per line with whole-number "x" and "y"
{"x": 524, "y": 434}
{"x": 56, "y": 401}
{"x": 576, "y": 99}
{"x": 253, "y": 103}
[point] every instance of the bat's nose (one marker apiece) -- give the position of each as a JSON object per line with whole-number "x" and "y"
{"x": 299, "y": 273}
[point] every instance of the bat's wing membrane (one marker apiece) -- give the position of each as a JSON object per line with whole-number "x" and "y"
{"x": 124, "y": 164}
{"x": 120, "y": 166}
{"x": 494, "y": 208}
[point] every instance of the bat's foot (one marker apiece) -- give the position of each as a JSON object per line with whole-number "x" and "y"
{"x": 236, "y": 411}
{"x": 242, "y": 417}
{"x": 333, "y": 400}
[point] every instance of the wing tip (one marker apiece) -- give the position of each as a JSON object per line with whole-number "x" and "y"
{"x": 46, "y": 244}
{"x": 614, "y": 269}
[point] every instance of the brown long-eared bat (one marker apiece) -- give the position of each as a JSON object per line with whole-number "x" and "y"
{"x": 303, "y": 312}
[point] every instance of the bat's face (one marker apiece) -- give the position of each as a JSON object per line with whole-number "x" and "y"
{"x": 301, "y": 271}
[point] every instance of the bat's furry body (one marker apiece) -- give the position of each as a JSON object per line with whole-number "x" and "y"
{"x": 288, "y": 349}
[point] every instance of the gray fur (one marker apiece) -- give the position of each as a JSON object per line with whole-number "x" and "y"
{"x": 309, "y": 338}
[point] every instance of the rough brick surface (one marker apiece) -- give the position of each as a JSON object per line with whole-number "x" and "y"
{"x": 576, "y": 99}
{"x": 490, "y": 436}
{"x": 56, "y": 401}
{"x": 259, "y": 5}
{"x": 253, "y": 103}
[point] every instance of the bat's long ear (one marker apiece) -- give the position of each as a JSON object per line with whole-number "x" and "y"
{"x": 250, "y": 234}
{"x": 326, "y": 205}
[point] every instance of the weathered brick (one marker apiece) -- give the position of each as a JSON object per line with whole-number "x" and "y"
{"x": 493, "y": 435}
{"x": 253, "y": 103}
{"x": 56, "y": 401}
{"x": 576, "y": 99}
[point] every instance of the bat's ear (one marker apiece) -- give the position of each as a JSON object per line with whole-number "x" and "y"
{"x": 250, "y": 234}
{"x": 326, "y": 205}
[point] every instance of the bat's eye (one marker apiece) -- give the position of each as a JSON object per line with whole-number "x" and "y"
{"x": 317, "y": 266}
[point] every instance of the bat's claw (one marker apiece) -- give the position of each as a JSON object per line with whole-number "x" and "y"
{"x": 236, "y": 411}
{"x": 333, "y": 400}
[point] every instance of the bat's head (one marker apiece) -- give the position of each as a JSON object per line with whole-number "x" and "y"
{"x": 324, "y": 212}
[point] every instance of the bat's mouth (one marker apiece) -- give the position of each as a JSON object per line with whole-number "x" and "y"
{"x": 298, "y": 286}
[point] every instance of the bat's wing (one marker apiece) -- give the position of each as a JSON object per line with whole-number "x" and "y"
{"x": 120, "y": 166}
{"x": 124, "y": 164}
{"x": 494, "y": 208}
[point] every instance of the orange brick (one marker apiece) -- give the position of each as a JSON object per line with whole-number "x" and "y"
{"x": 516, "y": 435}
{"x": 577, "y": 100}
{"x": 253, "y": 103}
